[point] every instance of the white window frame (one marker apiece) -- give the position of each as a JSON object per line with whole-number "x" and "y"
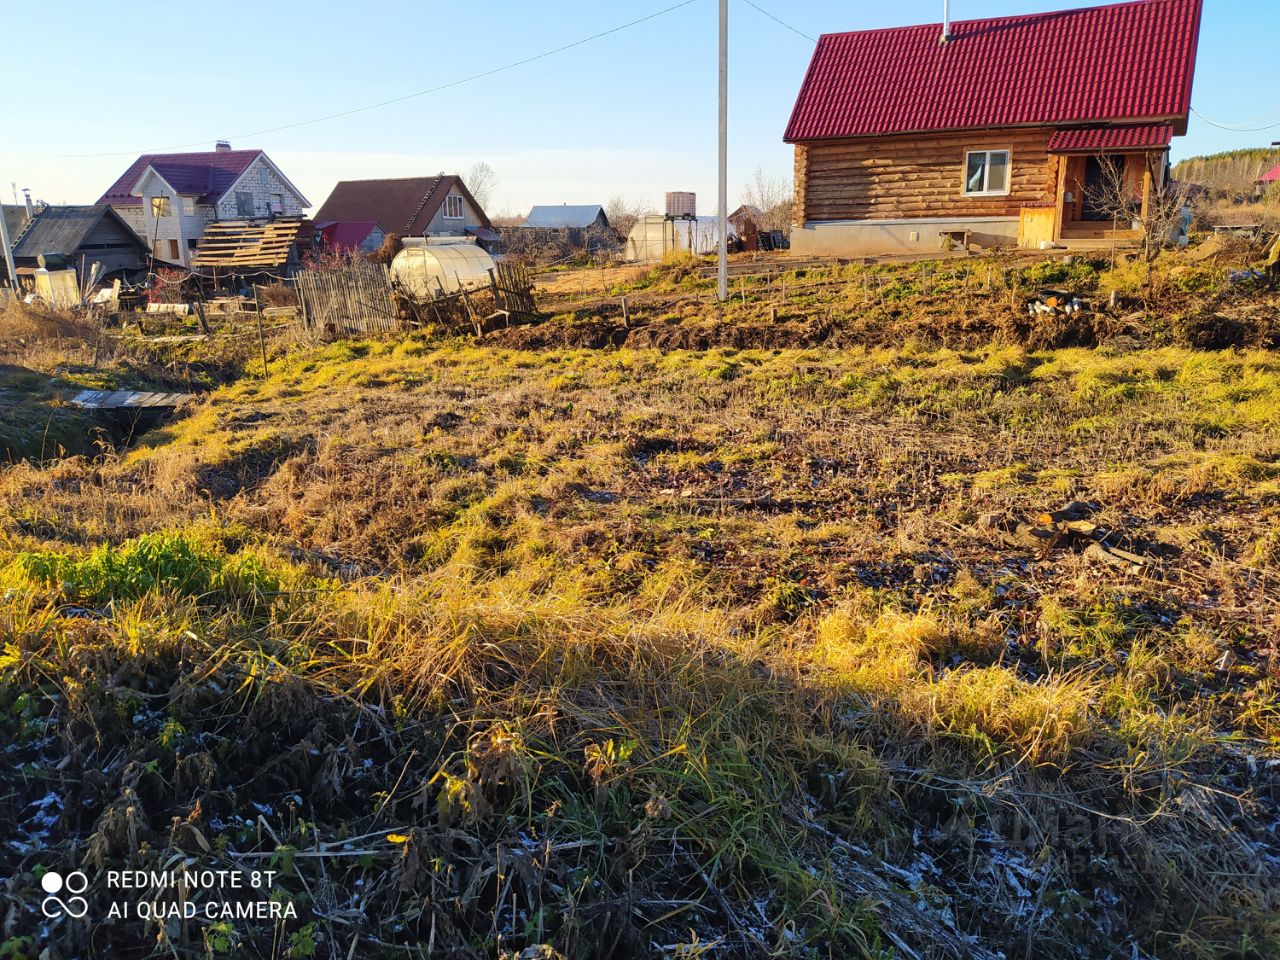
{"x": 455, "y": 200}
{"x": 986, "y": 171}
{"x": 161, "y": 206}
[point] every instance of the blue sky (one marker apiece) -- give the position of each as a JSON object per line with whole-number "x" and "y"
{"x": 632, "y": 113}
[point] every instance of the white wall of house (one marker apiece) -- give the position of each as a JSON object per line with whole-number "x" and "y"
{"x": 255, "y": 193}
{"x": 443, "y": 226}
{"x": 171, "y": 236}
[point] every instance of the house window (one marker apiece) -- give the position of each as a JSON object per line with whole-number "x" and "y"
{"x": 244, "y": 204}
{"x": 174, "y": 256}
{"x": 159, "y": 207}
{"x": 453, "y": 207}
{"x": 986, "y": 172}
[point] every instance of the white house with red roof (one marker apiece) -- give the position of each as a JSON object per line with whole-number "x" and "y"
{"x": 168, "y": 198}
{"x": 988, "y": 132}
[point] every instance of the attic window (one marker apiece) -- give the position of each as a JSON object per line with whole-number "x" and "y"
{"x": 159, "y": 207}
{"x": 244, "y": 204}
{"x": 453, "y": 207}
{"x": 986, "y": 173}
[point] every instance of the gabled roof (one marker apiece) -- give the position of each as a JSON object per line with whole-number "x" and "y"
{"x": 207, "y": 176}
{"x": 1271, "y": 176}
{"x": 63, "y": 230}
{"x": 402, "y": 206}
{"x": 1125, "y": 62}
{"x": 555, "y": 218}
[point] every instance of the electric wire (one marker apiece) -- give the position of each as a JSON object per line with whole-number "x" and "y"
{"x": 778, "y": 21}
{"x": 408, "y": 96}
{"x": 1236, "y": 129}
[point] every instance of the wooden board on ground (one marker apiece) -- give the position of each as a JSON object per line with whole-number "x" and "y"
{"x": 129, "y": 400}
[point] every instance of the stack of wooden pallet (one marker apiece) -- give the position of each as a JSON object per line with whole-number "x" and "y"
{"x": 232, "y": 244}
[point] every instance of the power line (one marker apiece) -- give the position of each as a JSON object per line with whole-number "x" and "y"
{"x": 783, "y": 23}
{"x": 1232, "y": 129}
{"x": 407, "y": 96}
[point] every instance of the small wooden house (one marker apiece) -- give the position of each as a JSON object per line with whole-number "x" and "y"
{"x": 79, "y": 237}
{"x": 988, "y": 132}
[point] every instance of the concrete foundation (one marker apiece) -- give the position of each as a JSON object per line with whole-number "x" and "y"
{"x": 870, "y": 238}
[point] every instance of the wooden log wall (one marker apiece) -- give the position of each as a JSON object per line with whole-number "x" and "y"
{"x": 922, "y": 175}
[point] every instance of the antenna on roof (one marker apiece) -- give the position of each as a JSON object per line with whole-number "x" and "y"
{"x": 946, "y": 21}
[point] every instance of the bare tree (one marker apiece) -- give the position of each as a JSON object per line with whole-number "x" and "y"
{"x": 623, "y": 214}
{"x": 481, "y": 181}
{"x": 772, "y": 197}
{"x": 1157, "y": 221}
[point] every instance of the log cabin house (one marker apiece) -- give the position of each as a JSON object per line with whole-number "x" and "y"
{"x": 988, "y": 132}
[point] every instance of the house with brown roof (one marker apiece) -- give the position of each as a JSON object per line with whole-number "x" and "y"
{"x": 169, "y": 198}
{"x": 439, "y": 206}
{"x": 989, "y": 132}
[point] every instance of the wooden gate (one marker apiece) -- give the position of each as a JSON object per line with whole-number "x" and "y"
{"x": 354, "y": 299}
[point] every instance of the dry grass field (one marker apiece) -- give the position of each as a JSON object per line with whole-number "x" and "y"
{"x": 515, "y": 649}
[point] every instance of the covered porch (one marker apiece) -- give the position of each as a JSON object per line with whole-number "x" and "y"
{"x": 1105, "y": 180}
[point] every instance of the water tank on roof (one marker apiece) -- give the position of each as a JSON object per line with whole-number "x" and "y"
{"x": 682, "y": 205}
{"x": 427, "y": 271}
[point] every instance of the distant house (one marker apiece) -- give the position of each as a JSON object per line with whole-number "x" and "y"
{"x": 1268, "y": 180}
{"x": 342, "y": 235}
{"x": 79, "y": 237}
{"x": 581, "y": 227}
{"x": 746, "y": 219}
{"x": 1000, "y": 132}
{"x": 566, "y": 217}
{"x": 410, "y": 207}
{"x": 169, "y": 198}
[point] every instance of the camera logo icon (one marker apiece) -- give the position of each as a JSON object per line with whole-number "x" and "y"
{"x": 74, "y": 906}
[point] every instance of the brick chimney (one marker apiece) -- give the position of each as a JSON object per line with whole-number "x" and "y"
{"x": 222, "y": 146}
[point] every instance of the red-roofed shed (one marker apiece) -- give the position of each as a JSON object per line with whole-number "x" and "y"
{"x": 995, "y": 133}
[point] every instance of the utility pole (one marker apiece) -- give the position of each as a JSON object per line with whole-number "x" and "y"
{"x": 722, "y": 287}
{"x": 8, "y": 253}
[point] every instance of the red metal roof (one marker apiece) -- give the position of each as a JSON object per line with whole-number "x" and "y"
{"x": 346, "y": 234}
{"x": 207, "y": 175}
{"x": 1271, "y": 176}
{"x": 1093, "y": 139}
{"x": 1122, "y": 62}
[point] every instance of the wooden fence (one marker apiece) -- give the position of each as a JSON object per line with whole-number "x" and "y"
{"x": 512, "y": 286}
{"x": 355, "y": 299}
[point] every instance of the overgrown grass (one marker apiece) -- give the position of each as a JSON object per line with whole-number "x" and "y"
{"x": 628, "y": 653}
